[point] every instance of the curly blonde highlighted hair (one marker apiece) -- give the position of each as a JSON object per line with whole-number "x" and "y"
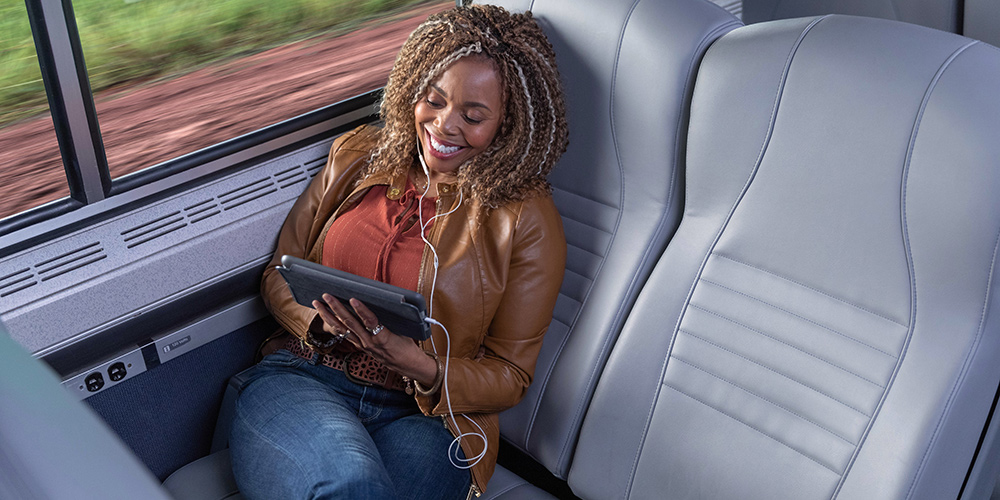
{"x": 533, "y": 133}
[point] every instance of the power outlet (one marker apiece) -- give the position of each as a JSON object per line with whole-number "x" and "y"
{"x": 94, "y": 382}
{"x": 117, "y": 371}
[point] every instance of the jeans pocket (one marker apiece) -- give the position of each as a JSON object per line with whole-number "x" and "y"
{"x": 282, "y": 358}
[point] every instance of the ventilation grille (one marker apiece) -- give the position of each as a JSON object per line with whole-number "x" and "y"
{"x": 229, "y": 200}
{"x": 51, "y": 268}
{"x": 15, "y": 282}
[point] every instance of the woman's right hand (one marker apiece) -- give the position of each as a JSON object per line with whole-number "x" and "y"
{"x": 398, "y": 353}
{"x": 331, "y": 325}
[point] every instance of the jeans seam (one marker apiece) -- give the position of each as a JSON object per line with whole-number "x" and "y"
{"x": 379, "y": 407}
{"x": 268, "y": 440}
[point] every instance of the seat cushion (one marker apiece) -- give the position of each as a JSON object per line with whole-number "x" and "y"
{"x": 208, "y": 478}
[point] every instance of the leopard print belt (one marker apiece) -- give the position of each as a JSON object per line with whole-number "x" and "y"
{"x": 358, "y": 366}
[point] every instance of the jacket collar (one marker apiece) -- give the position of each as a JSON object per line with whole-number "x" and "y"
{"x": 397, "y": 185}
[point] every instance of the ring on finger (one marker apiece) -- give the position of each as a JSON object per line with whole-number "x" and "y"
{"x": 377, "y": 329}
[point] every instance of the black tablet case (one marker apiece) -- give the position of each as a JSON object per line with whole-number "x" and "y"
{"x": 400, "y": 310}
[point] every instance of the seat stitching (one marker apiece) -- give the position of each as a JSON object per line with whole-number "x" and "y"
{"x": 751, "y": 426}
{"x": 588, "y": 278}
{"x": 577, "y": 303}
{"x": 556, "y": 189}
{"x": 765, "y": 399}
{"x": 578, "y": 247}
{"x": 605, "y": 231}
{"x": 561, "y": 322}
{"x": 803, "y": 285}
{"x": 803, "y": 384}
{"x": 831, "y": 363}
{"x": 803, "y": 318}
{"x": 770, "y": 129}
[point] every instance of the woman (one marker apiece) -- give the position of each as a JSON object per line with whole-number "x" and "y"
{"x": 449, "y": 199}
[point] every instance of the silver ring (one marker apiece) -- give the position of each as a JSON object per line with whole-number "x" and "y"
{"x": 378, "y": 329}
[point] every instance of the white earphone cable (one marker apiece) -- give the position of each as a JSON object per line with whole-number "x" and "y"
{"x": 456, "y": 443}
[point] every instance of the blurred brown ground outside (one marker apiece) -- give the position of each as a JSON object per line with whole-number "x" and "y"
{"x": 149, "y": 124}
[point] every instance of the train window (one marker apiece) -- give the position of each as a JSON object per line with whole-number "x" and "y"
{"x": 31, "y": 171}
{"x": 174, "y": 76}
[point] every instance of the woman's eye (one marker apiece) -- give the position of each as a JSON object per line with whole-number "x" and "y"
{"x": 472, "y": 121}
{"x": 432, "y": 103}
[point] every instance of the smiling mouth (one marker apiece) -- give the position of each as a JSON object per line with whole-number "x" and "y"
{"x": 441, "y": 147}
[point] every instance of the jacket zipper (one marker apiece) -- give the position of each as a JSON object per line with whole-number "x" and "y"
{"x": 473, "y": 491}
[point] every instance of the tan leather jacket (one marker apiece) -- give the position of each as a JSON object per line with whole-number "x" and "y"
{"x": 497, "y": 283}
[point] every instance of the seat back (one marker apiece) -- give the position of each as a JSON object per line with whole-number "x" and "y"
{"x": 55, "y": 447}
{"x": 628, "y": 70}
{"x": 938, "y": 14}
{"x": 824, "y": 321}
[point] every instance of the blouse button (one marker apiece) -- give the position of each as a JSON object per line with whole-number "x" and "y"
{"x": 394, "y": 193}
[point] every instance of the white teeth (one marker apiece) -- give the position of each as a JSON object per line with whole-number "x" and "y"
{"x": 447, "y": 150}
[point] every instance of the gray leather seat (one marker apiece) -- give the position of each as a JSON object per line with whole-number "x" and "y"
{"x": 56, "y": 448}
{"x": 939, "y": 14}
{"x": 824, "y": 321}
{"x": 628, "y": 69}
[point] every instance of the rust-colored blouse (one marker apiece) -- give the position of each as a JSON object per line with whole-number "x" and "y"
{"x": 379, "y": 238}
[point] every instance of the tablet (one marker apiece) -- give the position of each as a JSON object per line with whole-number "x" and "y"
{"x": 400, "y": 310}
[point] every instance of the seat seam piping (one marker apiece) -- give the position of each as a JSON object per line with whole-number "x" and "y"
{"x": 770, "y": 369}
{"x": 803, "y": 318}
{"x": 803, "y": 285}
{"x": 763, "y": 398}
{"x": 912, "y": 276}
{"x": 803, "y": 351}
{"x": 973, "y": 348}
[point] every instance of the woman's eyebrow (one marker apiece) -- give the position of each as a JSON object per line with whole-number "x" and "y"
{"x": 468, "y": 104}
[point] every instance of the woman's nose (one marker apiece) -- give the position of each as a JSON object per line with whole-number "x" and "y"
{"x": 445, "y": 121}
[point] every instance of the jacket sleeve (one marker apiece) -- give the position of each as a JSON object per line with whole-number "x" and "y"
{"x": 514, "y": 337}
{"x": 298, "y": 235}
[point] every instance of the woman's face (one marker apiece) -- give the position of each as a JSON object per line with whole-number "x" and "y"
{"x": 459, "y": 115}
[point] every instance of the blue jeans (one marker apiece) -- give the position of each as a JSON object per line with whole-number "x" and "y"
{"x": 306, "y": 431}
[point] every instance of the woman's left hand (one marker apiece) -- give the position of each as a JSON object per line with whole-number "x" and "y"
{"x": 398, "y": 353}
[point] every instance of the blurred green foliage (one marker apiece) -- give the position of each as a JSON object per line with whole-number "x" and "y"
{"x": 131, "y": 40}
